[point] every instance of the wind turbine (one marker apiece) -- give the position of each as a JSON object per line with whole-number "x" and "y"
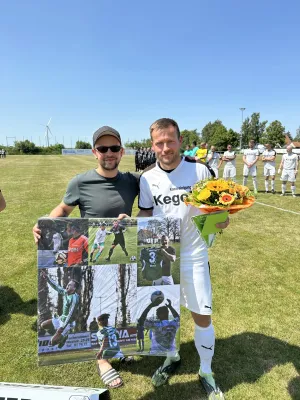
{"x": 47, "y": 131}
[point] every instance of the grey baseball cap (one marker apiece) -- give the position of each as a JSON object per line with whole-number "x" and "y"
{"x": 105, "y": 131}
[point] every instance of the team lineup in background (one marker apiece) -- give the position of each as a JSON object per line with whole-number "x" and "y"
{"x": 96, "y": 288}
{"x": 287, "y": 168}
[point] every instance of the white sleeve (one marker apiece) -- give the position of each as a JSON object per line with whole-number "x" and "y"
{"x": 203, "y": 172}
{"x": 145, "y": 195}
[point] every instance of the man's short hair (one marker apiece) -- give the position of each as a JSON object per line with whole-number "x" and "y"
{"x": 164, "y": 123}
{"x": 103, "y": 317}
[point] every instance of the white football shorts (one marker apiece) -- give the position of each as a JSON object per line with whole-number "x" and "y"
{"x": 195, "y": 286}
{"x": 249, "y": 171}
{"x": 229, "y": 172}
{"x": 58, "y": 323}
{"x": 269, "y": 171}
{"x": 288, "y": 175}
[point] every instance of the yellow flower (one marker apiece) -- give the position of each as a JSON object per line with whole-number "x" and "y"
{"x": 204, "y": 194}
{"x": 226, "y": 199}
{"x": 217, "y": 185}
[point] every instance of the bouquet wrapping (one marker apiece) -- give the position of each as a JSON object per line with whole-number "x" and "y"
{"x": 217, "y": 198}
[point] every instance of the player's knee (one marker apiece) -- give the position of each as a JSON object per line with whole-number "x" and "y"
{"x": 201, "y": 320}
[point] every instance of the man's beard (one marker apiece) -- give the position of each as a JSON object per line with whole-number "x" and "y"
{"x": 109, "y": 165}
{"x": 163, "y": 161}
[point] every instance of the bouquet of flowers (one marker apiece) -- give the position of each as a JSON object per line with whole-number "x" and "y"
{"x": 217, "y": 197}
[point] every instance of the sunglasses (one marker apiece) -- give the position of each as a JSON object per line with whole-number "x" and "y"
{"x": 104, "y": 149}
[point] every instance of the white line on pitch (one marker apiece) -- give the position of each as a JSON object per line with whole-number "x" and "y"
{"x": 277, "y": 208}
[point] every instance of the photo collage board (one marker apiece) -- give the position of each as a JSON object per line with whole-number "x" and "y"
{"x": 108, "y": 288}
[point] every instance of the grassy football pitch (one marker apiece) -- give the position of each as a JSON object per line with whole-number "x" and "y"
{"x": 255, "y": 277}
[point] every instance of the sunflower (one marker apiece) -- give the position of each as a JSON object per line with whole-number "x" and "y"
{"x": 204, "y": 195}
{"x": 217, "y": 185}
{"x": 226, "y": 199}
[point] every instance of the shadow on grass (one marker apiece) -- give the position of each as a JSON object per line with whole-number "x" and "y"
{"x": 11, "y": 303}
{"x": 242, "y": 358}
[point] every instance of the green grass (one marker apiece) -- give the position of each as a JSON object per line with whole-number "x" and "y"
{"x": 255, "y": 278}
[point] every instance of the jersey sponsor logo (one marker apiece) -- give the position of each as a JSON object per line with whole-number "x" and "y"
{"x": 175, "y": 200}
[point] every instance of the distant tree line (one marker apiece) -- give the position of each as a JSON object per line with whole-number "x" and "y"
{"x": 216, "y": 134}
{"x": 28, "y": 147}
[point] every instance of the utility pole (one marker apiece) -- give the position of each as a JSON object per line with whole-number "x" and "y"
{"x": 242, "y": 109}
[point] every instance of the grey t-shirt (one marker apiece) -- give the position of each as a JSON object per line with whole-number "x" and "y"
{"x": 99, "y": 197}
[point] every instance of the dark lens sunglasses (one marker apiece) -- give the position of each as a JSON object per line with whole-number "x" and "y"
{"x": 104, "y": 149}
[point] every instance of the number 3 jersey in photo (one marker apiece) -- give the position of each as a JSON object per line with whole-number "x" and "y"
{"x": 151, "y": 259}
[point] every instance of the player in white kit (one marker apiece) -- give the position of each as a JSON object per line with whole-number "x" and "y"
{"x": 57, "y": 241}
{"x": 163, "y": 189}
{"x": 230, "y": 168}
{"x": 268, "y": 158}
{"x": 99, "y": 242}
{"x": 213, "y": 160}
{"x": 250, "y": 159}
{"x": 290, "y": 164}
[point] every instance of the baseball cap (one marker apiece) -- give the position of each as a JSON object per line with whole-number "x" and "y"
{"x": 105, "y": 131}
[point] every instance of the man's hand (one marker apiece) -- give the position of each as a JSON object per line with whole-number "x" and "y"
{"x": 122, "y": 216}
{"x": 223, "y": 225}
{"x": 36, "y": 233}
{"x": 168, "y": 304}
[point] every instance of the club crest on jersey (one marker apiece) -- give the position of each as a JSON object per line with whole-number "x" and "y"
{"x": 176, "y": 199}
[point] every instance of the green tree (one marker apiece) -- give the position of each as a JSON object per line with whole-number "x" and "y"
{"x": 188, "y": 137}
{"x": 297, "y": 137}
{"x": 222, "y": 137}
{"x": 82, "y": 145}
{"x": 209, "y": 130}
{"x": 252, "y": 128}
{"x": 288, "y": 134}
{"x": 26, "y": 147}
{"x": 274, "y": 134}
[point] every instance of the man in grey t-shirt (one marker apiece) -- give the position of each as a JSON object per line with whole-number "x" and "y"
{"x": 104, "y": 192}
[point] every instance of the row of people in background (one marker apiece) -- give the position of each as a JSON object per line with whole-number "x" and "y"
{"x": 288, "y": 167}
{"x": 2, "y": 153}
{"x": 143, "y": 158}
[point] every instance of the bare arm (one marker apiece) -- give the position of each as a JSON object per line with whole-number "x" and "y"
{"x": 145, "y": 213}
{"x": 2, "y": 202}
{"x": 62, "y": 210}
{"x": 168, "y": 256}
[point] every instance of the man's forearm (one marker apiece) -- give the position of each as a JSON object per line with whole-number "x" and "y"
{"x": 62, "y": 210}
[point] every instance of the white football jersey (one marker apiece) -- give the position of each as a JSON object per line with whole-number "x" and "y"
{"x": 230, "y": 163}
{"x": 251, "y": 155}
{"x": 213, "y": 159}
{"x": 290, "y": 161}
{"x": 165, "y": 193}
{"x": 269, "y": 153}
{"x": 100, "y": 236}
{"x": 57, "y": 238}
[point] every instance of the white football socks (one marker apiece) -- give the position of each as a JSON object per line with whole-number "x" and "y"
{"x": 283, "y": 188}
{"x": 273, "y": 184}
{"x": 293, "y": 189}
{"x": 245, "y": 179}
{"x": 205, "y": 344}
{"x": 254, "y": 180}
{"x": 267, "y": 185}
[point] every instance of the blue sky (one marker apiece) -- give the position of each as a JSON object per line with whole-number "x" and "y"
{"x": 127, "y": 63}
